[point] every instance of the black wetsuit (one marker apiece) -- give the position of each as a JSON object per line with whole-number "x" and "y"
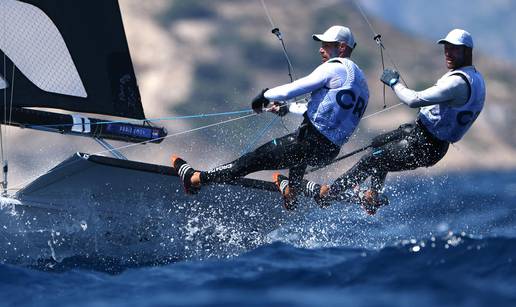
{"x": 406, "y": 148}
{"x": 294, "y": 151}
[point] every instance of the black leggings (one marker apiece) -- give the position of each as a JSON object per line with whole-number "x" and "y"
{"x": 294, "y": 151}
{"x": 406, "y": 148}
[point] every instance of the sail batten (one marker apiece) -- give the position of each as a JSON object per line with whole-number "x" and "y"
{"x": 70, "y": 55}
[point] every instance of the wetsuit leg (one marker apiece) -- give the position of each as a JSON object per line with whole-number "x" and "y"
{"x": 294, "y": 151}
{"x": 364, "y": 168}
{"x": 279, "y": 153}
{"x": 319, "y": 151}
{"x": 415, "y": 148}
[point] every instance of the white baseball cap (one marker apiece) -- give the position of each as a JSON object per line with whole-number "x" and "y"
{"x": 458, "y": 37}
{"x": 336, "y": 34}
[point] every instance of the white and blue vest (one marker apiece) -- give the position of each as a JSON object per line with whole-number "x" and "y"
{"x": 449, "y": 123}
{"x": 336, "y": 112}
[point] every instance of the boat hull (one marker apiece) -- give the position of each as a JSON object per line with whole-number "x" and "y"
{"x": 139, "y": 212}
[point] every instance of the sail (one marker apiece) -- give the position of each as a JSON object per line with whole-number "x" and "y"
{"x": 3, "y": 83}
{"x": 69, "y": 55}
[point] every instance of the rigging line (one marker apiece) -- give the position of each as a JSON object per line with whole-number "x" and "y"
{"x": 150, "y": 119}
{"x": 10, "y": 105}
{"x": 267, "y": 13}
{"x": 157, "y": 119}
{"x": 5, "y": 111}
{"x": 377, "y": 38}
{"x": 365, "y": 17}
{"x": 7, "y": 122}
{"x": 12, "y": 95}
{"x": 4, "y": 75}
{"x": 381, "y": 111}
{"x": 290, "y": 68}
{"x": 290, "y": 74}
{"x": 285, "y": 53}
{"x": 258, "y": 136}
{"x": 271, "y": 123}
{"x": 179, "y": 133}
{"x": 380, "y": 47}
{"x": 17, "y": 186}
{"x": 276, "y": 31}
{"x": 391, "y": 60}
{"x": 4, "y": 152}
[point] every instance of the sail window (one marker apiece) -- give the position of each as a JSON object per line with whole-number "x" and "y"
{"x": 36, "y": 47}
{"x": 3, "y": 83}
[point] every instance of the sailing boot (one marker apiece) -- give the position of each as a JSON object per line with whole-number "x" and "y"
{"x": 185, "y": 173}
{"x": 324, "y": 197}
{"x": 317, "y": 192}
{"x": 371, "y": 200}
{"x": 289, "y": 198}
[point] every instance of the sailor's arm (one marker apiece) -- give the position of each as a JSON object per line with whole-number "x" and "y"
{"x": 452, "y": 90}
{"x": 324, "y": 75}
{"x": 317, "y": 79}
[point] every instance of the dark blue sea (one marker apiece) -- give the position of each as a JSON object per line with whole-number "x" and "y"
{"x": 443, "y": 241}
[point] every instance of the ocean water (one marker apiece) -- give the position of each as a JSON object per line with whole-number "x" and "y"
{"x": 442, "y": 241}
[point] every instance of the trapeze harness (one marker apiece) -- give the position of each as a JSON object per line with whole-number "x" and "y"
{"x": 339, "y": 96}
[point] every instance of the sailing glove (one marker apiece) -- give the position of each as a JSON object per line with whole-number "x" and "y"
{"x": 390, "y": 77}
{"x": 259, "y": 102}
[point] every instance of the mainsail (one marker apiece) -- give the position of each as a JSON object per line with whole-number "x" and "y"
{"x": 73, "y": 56}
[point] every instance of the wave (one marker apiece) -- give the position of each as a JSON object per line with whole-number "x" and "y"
{"x": 420, "y": 210}
{"x": 455, "y": 270}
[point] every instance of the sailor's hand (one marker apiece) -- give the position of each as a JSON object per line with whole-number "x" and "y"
{"x": 259, "y": 102}
{"x": 278, "y": 108}
{"x": 390, "y": 77}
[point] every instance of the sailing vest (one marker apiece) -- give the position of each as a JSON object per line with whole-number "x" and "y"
{"x": 450, "y": 123}
{"x": 336, "y": 112}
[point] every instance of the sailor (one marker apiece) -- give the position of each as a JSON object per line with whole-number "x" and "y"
{"x": 339, "y": 96}
{"x": 447, "y": 111}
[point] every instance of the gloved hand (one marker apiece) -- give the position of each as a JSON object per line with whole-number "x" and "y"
{"x": 390, "y": 77}
{"x": 279, "y": 108}
{"x": 259, "y": 102}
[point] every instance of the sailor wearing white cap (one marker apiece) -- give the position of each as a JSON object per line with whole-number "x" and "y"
{"x": 458, "y": 37}
{"x": 450, "y": 106}
{"x": 339, "y": 96}
{"x": 447, "y": 111}
{"x": 336, "y": 34}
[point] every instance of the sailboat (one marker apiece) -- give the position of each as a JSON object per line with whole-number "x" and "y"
{"x": 73, "y": 56}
